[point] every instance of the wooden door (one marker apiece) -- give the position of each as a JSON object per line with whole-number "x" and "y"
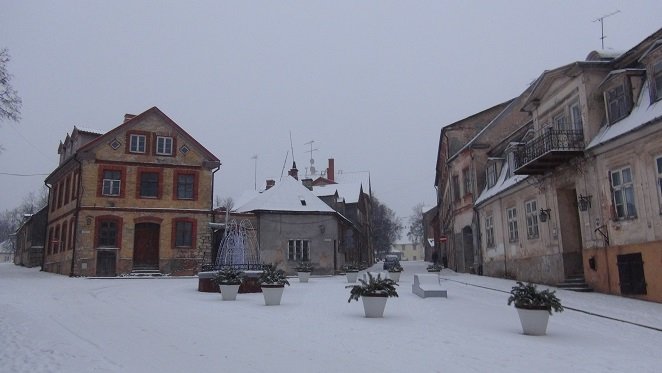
{"x": 106, "y": 263}
{"x": 146, "y": 245}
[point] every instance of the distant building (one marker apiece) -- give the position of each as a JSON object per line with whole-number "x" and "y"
{"x": 6, "y": 251}
{"x": 30, "y": 239}
{"x": 294, "y": 225}
{"x": 408, "y": 250}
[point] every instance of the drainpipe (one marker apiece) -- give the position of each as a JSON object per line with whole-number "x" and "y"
{"x": 48, "y": 210}
{"x": 213, "y": 176}
{"x": 213, "y": 215}
{"x": 76, "y": 215}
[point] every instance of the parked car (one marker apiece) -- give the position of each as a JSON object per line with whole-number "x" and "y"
{"x": 390, "y": 261}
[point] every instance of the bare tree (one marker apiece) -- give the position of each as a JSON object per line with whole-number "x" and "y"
{"x": 10, "y": 102}
{"x": 11, "y": 220}
{"x": 416, "y": 231}
{"x": 386, "y": 227}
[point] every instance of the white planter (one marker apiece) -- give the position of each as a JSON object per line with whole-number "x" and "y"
{"x": 395, "y": 276}
{"x": 534, "y": 322}
{"x": 272, "y": 294}
{"x": 303, "y": 276}
{"x": 229, "y": 292}
{"x": 374, "y": 306}
{"x": 352, "y": 277}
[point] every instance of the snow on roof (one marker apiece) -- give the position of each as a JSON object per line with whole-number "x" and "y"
{"x": 287, "y": 195}
{"x": 91, "y": 130}
{"x": 350, "y": 192}
{"x": 501, "y": 185}
{"x": 643, "y": 113}
{"x": 325, "y": 190}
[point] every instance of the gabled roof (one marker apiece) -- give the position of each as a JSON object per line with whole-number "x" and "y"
{"x": 547, "y": 78}
{"x": 489, "y": 125}
{"x": 131, "y": 122}
{"x": 288, "y": 195}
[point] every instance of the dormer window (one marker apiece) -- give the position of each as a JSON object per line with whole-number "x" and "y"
{"x": 617, "y": 107}
{"x": 657, "y": 81}
{"x": 491, "y": 175}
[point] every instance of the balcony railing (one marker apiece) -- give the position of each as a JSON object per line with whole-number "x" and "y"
{"x": 548, "y": 151}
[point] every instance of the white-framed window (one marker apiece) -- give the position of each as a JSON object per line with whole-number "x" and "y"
{"x": 559, "y": 122}
{"x": 489, "y": 231}
{"x": 616, "y": 103}
{"x": 111, "y": 183}
{"x": 658, "y": 167}
{"x": 531, "y": 209}
{"x": 137, "y": 143}
{"x": 576, "y": 116}
{"x": 298, "y": 250}
{"x": 163, "y": 145}
{"x": 491, "y": 175}
{"x": 513, "y": 233}
{"x": 623, "y": 193}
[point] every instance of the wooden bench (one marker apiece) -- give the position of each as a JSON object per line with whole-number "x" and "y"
{"x": 427, "y": 285}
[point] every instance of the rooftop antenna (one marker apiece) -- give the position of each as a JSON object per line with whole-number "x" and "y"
{"x": 602, "y": 26}
{"x": 292, "y": 147}
{"x": 284, "y": 164}
{"x": 254, "y": 157}
{"x": 312, "y": 161}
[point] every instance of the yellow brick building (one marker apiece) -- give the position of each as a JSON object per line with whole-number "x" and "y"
{"x": 135, "y": 199}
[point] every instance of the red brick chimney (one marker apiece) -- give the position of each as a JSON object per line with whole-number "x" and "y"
{"x": 293, "y": 171}
{"x": 330, "y": 171}
{"x": 128, "y": 117}
{"x": 270, "y": 183}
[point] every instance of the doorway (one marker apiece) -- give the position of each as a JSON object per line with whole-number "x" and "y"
{"x": 146, "y": 246}
{"x": 106, "y": 263}
{"x": 571, "y": 235}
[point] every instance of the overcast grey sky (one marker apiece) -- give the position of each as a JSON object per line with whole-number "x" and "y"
{"x": 371, "y": 82}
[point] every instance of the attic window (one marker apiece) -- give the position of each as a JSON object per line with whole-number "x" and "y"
{"x": 184, "y": 149}
{"x": 115, "y": 144}
{"x": 302, "y": 200}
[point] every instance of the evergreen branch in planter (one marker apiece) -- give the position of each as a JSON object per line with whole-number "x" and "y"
{"x": 434, "y": 267}
{"x": 375, "y": 286}
{"x": 272, "y": 276}
{"x": 304, "y": 267}
{"x": 352, "y": 267}
{"x": 228, "y": 276}
{"x": 529, "y": 297}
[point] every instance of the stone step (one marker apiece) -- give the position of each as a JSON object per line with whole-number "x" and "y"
{"x": 575, "y": 283}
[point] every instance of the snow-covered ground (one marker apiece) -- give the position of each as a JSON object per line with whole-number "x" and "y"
{"x": 52, "y": 323}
